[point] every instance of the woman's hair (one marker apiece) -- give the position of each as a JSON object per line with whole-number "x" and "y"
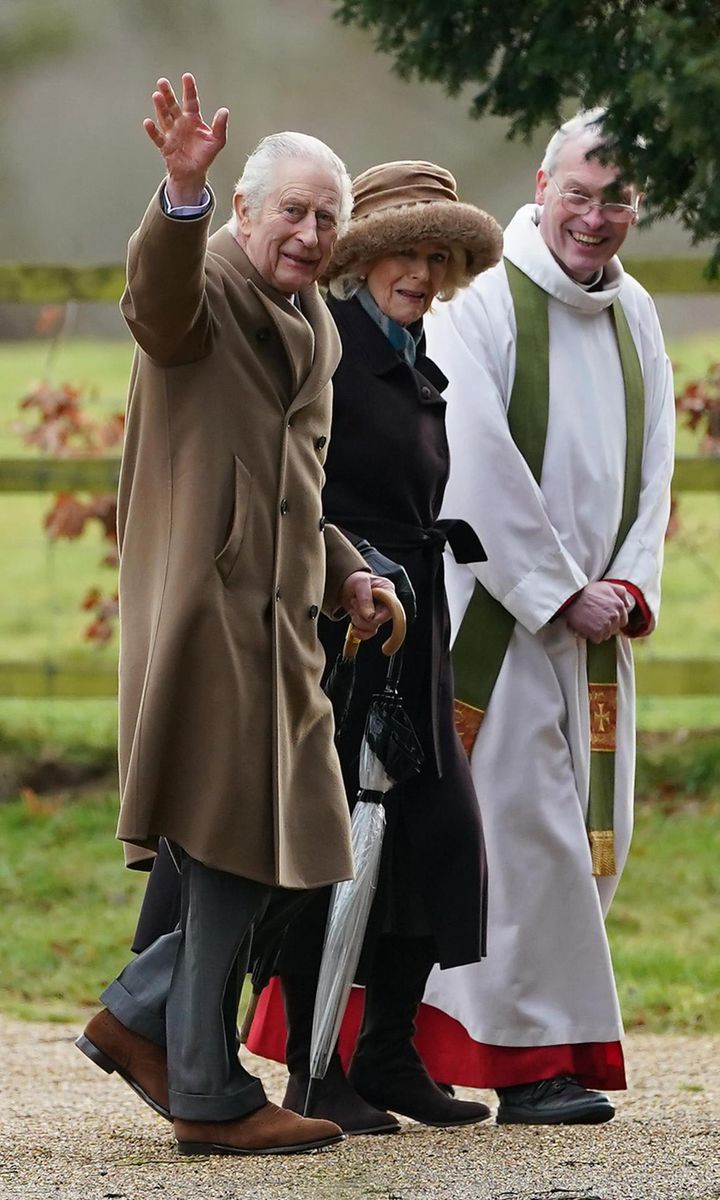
{"x": 257, "y": 178}
{"x": 345, "y": 285}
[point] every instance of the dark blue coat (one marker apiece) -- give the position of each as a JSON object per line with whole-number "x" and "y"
{"x": 386, "y": 471}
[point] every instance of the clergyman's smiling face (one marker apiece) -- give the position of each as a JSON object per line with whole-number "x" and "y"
{"x": 582, "y": 245}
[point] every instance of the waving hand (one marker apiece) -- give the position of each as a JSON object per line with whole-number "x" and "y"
{"x": 185, "y": 141}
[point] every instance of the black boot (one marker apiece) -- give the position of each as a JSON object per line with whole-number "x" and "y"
{"x": 386, "y": 1069}
{"x": 332, "y": 1097}
{"x": 558, "y": 1101}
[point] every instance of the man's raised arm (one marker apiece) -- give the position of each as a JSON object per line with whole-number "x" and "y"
{"x": 164, "y": 303}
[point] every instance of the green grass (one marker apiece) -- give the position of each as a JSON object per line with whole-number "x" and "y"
{"x": 43, "y": 586}
{"x": 45, "y": 744}
{"x": 69, "y": 906}
{"x": 663, "y": 926}
{"x": 82, "y": 731}
{"x": 691, "y": 356}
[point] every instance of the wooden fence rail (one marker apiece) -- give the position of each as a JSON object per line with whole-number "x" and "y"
{"x": 54, "y": 283}
{"x": 692, "y": 474}
{"x": 655, "y": 676}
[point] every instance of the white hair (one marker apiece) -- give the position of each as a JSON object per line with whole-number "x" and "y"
{"x": 586, "y": 125}
{"x": 257, "y": 177}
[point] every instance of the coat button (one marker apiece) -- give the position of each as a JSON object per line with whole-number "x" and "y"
{"x": 263, "y": 334}
{"x": 321, "y": 524}
{"x": 277, "y": 593}
{"x": 283, "y": 506}
{"x": 320, "y": 442}
{"x": 313, "y": 611}
{"x": 425, "y": 392}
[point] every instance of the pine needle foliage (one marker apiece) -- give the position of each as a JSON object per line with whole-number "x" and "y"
{"x": 654, "y": 66}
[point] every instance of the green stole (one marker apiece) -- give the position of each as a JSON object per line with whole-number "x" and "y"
{"x": 527, "y": 419}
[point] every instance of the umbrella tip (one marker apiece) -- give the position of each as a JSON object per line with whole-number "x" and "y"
{"x": 309, "y": 1097}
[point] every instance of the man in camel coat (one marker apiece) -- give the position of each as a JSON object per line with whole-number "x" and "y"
{"x": 226, "y": 740}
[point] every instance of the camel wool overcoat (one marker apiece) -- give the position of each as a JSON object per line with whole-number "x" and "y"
{"x": 226, "y": 739}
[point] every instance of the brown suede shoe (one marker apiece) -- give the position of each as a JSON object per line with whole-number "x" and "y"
{"x": 268, "y": 1130}
{"x": 138, "y": 1061}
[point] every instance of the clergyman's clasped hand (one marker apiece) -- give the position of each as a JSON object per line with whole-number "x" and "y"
{"x": 600, "y": 611}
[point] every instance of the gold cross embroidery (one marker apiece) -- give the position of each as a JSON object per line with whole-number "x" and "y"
{"x": 603, "y": 715}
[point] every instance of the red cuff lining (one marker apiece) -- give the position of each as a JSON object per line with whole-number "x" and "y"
{"x": 640, "y": 619}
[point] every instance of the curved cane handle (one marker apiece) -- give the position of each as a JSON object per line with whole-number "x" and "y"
{"x": 399, "y": 623}
{"x": 399, "y": 626}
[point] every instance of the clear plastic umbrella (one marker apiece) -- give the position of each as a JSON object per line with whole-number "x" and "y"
{"x": 390, "y": 753}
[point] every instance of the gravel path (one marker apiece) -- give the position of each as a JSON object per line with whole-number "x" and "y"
{"x": 69, "y": 1132}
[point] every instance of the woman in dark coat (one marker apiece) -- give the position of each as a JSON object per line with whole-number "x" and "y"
{"x": 409, "y": 241}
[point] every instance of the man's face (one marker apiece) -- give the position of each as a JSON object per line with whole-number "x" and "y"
{"x": 581, "y": 245}
{"x": 290, "y": 240}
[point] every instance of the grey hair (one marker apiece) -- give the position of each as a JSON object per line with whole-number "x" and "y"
{"x": 586, "y": 125}
{"x": 344, "y": 287}
{"x": 256, "y": 179}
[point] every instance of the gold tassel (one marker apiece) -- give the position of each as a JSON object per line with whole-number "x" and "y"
{"x": 248, "y": 1019}
{"x": 602, "y": 850}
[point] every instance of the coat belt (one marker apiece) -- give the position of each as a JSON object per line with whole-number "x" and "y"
{"x": 396, "y": 535}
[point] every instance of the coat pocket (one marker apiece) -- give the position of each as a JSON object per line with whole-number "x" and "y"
{"x": 226, "y": 559}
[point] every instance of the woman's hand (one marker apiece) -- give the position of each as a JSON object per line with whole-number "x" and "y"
{"x": 186, "y": 143}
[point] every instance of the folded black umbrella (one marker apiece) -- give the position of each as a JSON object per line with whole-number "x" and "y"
{"x": 286, "y": 905}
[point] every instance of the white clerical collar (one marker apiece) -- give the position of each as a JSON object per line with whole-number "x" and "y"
{"x": 588, "y": 284}
{"x": 527, "y": 249}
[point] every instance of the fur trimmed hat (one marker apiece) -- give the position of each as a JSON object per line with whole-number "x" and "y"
{"x": 398, "y": 203}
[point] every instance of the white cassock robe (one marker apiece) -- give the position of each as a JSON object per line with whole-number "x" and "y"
{"x": 548, "y": 975}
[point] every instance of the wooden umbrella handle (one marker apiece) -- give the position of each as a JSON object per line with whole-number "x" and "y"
{"x": 399, "y": 626}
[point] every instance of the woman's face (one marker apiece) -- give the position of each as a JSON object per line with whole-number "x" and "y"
{"x": 405, "y": 284}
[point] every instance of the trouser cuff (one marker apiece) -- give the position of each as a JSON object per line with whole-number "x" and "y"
{"x": 132, "y": 1014}
{"x": 247, "y": 1099}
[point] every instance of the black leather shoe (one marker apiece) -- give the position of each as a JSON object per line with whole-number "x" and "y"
{"x": 559, "y": 1101}
{"x": 334, "y": 1099}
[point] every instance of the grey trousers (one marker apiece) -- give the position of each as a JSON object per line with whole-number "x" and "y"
{"x": 183, "y": 993}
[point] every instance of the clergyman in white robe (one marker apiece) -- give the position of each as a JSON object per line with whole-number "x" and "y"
{"x": 544, "y": 1001}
